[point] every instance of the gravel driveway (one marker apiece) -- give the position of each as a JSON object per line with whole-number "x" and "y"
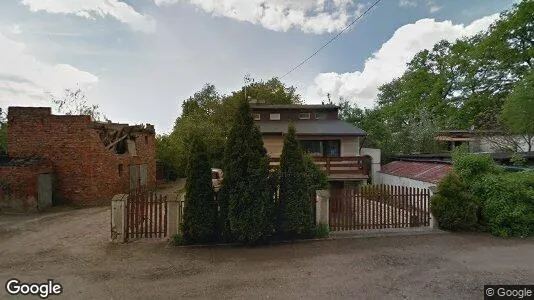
{"x": 72, "y": 247}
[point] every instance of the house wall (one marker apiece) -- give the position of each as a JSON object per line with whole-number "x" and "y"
{"x": 87, "y": 173}
{"x": 350, "y": 146}
{"x": 293, "y": 114}
{"x": 382, "y": 178}
{"x": 494, "y": 143}
{"x": 21, "y": 193}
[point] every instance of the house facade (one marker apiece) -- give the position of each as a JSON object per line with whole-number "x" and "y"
{"x": 335, "y": 145}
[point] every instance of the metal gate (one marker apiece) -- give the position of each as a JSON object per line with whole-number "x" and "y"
{"x": 44, "y": 191}
{"x": 379, "y": 207}
{"x": 146, "y": 214}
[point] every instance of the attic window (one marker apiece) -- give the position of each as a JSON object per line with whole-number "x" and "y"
{"x": 320, "y": 116}
{"x": 274, "y": 116}
{"x": 304, "y": 116}
{"x": 257, "y": 117}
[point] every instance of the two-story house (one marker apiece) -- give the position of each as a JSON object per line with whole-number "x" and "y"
{"x": 335, "y": 145}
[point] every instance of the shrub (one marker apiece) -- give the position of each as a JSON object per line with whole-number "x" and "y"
{"x": 470, "y": 166}
{"x": 453, "y": 206}
{"x": 245, "y": 197}
{"x": 315, "y": 177}
{"x": 295, "y": 214}
{"x": 200, "y": 212}
{"x": 508, "y": 203}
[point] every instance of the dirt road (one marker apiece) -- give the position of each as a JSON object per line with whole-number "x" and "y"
{"x": 72, "y": 247}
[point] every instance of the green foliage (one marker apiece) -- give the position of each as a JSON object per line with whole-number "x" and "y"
{"x": 470, "y": 166}
{"x": 518, "y": 110}
{"x": 316, "y": 179}
{"x": 295, "y": 212}
{"x": 454, "y": 86}
{"x": 508, "y": 203}
{"x": 200, "y": 212}
{"x": 246, "y": 203}
{"x": 321, "y": 231}
{"x": 453, "y": 206}
{"x": 518, "y": 160}
{"x": 211, "y": 115}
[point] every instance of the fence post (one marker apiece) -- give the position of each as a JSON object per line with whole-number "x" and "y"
{"x": 433, "y": 189}
{"x": 172, "y": 218}
{"x": 322, "y": 207}
{"x": 118, "y": 218}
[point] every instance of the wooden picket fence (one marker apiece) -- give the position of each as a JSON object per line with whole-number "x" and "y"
{"x": 146, "y": 214}
{"x": 379, "y": 207}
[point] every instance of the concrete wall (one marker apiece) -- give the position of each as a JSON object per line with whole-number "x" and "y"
{"x": 86, "y": 172}
{"x": 403, "y": 181}
{"x": 376, "y": 155}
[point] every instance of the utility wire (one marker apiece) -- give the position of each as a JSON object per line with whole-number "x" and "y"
{"x": 332, "y": 39}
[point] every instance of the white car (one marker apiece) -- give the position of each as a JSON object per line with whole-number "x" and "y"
{"x": 216, "y": 179}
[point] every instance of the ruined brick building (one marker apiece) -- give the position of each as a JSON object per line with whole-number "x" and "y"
{"x": 84, "y": 162}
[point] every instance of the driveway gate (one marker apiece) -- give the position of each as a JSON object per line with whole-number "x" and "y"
{"x": 379, "y": 207}
{"x": 146, "y": 214}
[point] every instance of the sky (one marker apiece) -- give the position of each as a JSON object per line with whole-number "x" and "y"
{"x": 140, "y": 59}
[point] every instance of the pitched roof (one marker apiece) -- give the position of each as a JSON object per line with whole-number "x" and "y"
{"x": 324, "y": 127}
{"x": 422, "y": 171}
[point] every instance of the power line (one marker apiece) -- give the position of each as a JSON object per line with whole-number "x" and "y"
{"x": 332, "y": 39}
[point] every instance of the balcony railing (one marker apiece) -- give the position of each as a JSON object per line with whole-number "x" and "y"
{"x": 348, "y": 165}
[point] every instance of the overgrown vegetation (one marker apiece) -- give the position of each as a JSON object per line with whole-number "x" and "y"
{"x": 200, "y": 212}
{"x": 504, "y": 202}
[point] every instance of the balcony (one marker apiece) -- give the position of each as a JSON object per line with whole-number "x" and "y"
{"x": 339, "y": 168}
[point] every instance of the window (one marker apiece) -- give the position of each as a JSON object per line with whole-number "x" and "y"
{"x": 121, "y": 167}
{"x": 315, "y": 148}
{"x": 146, "y": 139}
{"x": 257, "y": 117}
{"x": 322, "y": 148}
{"x": 320, "y": 116}
{"x": 274, "y": 116}
{"x": 304, "y": 116}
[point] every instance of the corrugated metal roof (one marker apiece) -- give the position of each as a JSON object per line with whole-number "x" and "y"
{"x": 326, "y": 127}
{"x": 422, "y": 171}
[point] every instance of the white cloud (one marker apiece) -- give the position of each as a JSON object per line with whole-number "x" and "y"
{"x": 24, "y": 80}
{"x": 310, "y": 16}
{"x": 408, "y": 3}
{"x": 91, "y": 9}
{"x": 434, "y": 8}
{"x": 390, "y": 60}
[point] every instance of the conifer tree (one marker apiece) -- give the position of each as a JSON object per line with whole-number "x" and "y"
{"x": 295, "y": 214}
{"x": 200, "y": 212}
{"x": 245, "y": 200}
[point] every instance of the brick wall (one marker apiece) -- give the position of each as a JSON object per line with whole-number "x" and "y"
{"x": 21, "y": 181}
{"x": 86, "y": 172}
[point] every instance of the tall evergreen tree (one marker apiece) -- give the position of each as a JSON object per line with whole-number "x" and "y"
{"x": 245, "y": 200}
{"x": 295, "y": 217}
{"x": 200, "y": 212}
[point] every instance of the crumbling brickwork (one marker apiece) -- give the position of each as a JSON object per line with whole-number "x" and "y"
{"x": 18, "y": 183}
{"x": 87, "y": 172}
